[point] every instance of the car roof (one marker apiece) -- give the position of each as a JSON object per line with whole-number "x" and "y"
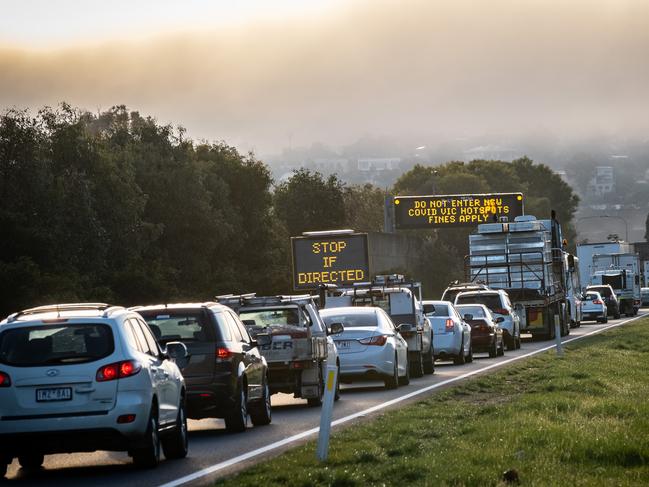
{"x": 479, "y": 292}
{"x": 349, "y": 310}
{"x": 436, "y": 301}
{"x": 155, "y": 307}
{"x": 69, "y": 311}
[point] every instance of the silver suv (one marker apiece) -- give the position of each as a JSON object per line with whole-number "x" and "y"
{"x": 86, "y": 377}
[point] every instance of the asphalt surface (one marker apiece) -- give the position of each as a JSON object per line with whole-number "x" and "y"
{"x": 214, "y": 453}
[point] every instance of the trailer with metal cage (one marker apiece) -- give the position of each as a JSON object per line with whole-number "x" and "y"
{"x": 526, "y": 258}
{"x": 298, "y": 352}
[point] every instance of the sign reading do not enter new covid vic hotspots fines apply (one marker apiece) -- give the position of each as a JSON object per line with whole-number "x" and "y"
{"x": 340, "y": 259}
{"x": 438, "y": 211}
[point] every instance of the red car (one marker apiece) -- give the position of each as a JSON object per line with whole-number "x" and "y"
{"x": 486, "y": 334}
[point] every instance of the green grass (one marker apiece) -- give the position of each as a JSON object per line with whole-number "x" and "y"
{"x": 578, "y": 420}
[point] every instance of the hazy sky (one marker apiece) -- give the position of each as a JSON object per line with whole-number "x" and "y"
{"x": 257, "y": 72}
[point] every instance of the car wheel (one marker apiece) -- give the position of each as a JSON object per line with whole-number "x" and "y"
{"x": 493, "y": 349}
{"x": 260, "y": 411}
{"x": 605, "y": 320}
{"x": 469, "y": 357}
{"x": 501, "y": 352}
{"x": 31, "y": 461}
{"x": 392, "y": 382}
{"x": 314, "y": 402}
{"x": 149, "y": 455}
{"x": 176, "y": 444}
{"x": 417, "y": 365}
{"x": 237, "y": 419}
{"x": 517, "y": 341}
{"x": 429, "y": 361}
{"x": 460, "y": 359}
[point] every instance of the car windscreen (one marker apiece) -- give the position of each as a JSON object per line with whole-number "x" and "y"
{"x": 591, "y": 297}
{"x": 60, "y": 344}
{"x": 491, "y": 301}
{"x": 185, "y": 326}
{"x": 440, "y": 310}
{"x": 476, "y": 311}
{"x": 270, "y": 317}
{"x": 605, "y": 291}
{"x": 351, "y": 320}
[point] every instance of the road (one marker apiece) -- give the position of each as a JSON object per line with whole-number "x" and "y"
{"x": 215, "y": 453}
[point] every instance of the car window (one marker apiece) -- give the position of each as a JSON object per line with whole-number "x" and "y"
{"x": 385, "y": 322}
{"x": 591, "y": 297}
{"x": 56, "y": 344}
{"x": 440, "y": 310}
{"x": 476, "y": 311}
{"x": 270, "y": 317}
{"x": 491, "y": 301}
{"x": 139, "y": 336}
{"x": 240, "y": 327}
{"x": 352, "y": 320}
{"x": 178, "y": 325}
{"x": 234, "y": 329}
{"x": 224, "y": 329}
{"x": 150, "y": 339}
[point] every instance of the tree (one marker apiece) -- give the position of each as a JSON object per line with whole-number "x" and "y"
{"x": 364, "y": 207}
{"x": 308, "y": 202}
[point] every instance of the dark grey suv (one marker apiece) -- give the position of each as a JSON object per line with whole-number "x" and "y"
{"x": 225, "y": 375}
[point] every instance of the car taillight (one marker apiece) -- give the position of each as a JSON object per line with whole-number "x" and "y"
{"x": 5, "y": 380}
{"x": 449, "y": 324}
{"x": 598, "y": 301}
{"x": 378, "y": 340}
{"x": 118, "y": 370}
{"x": 501, "y": 311}
{"x": 223, "y": 353}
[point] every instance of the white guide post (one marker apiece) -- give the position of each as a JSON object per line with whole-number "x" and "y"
{"x": 327, "y": 410}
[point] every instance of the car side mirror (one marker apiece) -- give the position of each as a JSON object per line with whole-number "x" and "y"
{"x": 177, "y": 351}
{"x": 468, "y": 317}
{"x": 263, "y": 339}
{"x": 336, "y": 329}
{"x": 405, "y": 328}
{"x": 500, "y": 319}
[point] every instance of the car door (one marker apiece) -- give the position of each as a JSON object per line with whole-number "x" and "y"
{"x": 152, "y": 359}
{"x": 387, "y": 325}
{"x": 251, "y": 358}
{"x": 245, "y": 361}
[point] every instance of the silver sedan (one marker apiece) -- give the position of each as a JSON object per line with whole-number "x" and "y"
{"x": 451, "y": 334}
{"x": 370, "y": 347}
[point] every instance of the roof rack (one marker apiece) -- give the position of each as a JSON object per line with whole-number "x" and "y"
{"x": 58, "y": 308}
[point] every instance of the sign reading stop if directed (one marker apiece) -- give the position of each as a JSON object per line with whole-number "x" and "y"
{"x": 332, "y": 259}
{"x": 458, "y": 210}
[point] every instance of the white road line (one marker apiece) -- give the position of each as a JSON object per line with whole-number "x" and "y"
{"x": 378, "y": 407}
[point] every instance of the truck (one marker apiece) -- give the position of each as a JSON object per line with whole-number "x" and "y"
{"x": 299, "y": 348}
{"x": 401, "y": 299}
{"x": 622, "y": 272}
{"x": 586, "y": 251}
{"x": 526, "y": 258}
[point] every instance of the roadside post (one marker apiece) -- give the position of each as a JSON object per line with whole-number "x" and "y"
{"x": 327, "y": 410}
{"x": 557, "y": 335}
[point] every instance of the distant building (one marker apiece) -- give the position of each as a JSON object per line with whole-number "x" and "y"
{"x": 379, "y": 163}
{"x": 603, "y": 182}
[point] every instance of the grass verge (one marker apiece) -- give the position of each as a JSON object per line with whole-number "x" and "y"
{"x": 578, "y": 420}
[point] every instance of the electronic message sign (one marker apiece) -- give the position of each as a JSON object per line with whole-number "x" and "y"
{"x": 323, "y": 258}
{"x": 457, "y": 210}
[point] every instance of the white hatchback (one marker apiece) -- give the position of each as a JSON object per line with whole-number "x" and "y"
{"x": 86, "y": 377}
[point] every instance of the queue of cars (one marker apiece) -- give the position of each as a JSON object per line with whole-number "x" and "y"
{"x": 89, "y": 376}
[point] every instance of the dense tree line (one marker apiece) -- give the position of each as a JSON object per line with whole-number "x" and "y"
{"x": 119, "y": 208}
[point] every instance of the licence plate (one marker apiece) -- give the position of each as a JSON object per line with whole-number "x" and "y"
{"x": 57, "y": 394}
{"x": 344, "y": 344}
